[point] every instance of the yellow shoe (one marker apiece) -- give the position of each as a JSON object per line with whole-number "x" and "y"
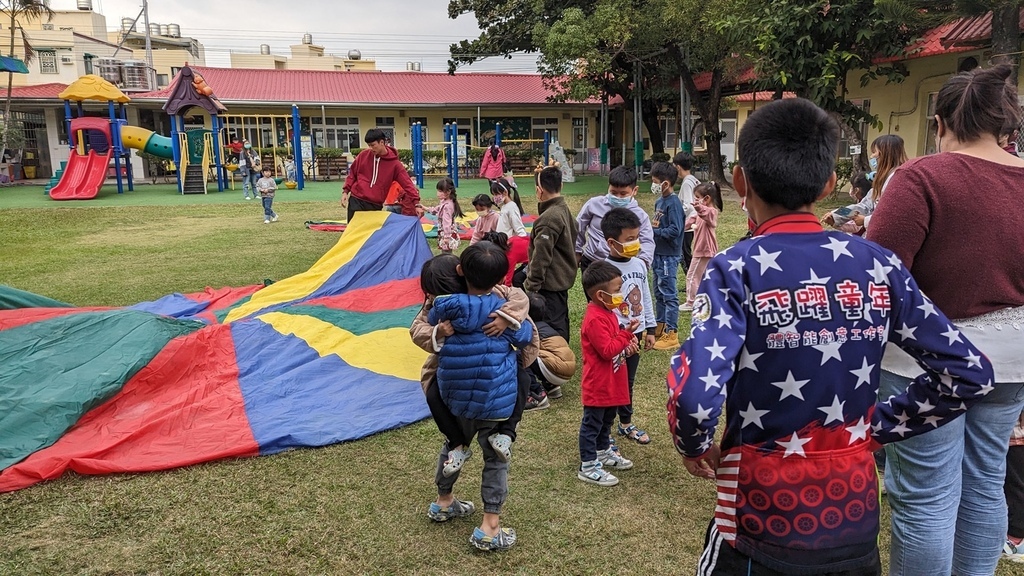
{"x": 659, "y": 330}
{"x": 669, "y": 341}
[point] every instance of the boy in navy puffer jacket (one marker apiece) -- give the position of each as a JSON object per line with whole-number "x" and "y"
{"x": 477, "y": 379}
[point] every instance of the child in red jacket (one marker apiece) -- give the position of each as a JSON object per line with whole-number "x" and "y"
{"x": 605, "y": 386}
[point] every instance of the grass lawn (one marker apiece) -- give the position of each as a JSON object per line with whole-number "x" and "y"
{"x": 357, "y": 507}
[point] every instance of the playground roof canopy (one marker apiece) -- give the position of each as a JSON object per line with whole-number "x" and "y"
{"x": 8, "y": 64}
{"x": 93, "y": 87}
{"x": 370, "y": 88}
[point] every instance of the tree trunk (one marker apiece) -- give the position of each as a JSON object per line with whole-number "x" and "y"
{"x": 652, "y": 121}
{"x": 708, "y": 109}
{"x": 1006, "y": 36}
{"x": 10, "y": 87}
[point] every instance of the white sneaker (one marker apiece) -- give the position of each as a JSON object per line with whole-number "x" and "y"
{"x": 612, "y": 459}
{"x": 594, "y": 473}
{"x": 266, "y": 221}
{"x": 1013, "y": 552}
{"x": 274, "y": 219}
{"x": 685, "y": 307}
{"x": 248, "y": 198}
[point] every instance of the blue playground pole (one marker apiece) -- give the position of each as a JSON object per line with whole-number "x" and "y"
{"x": 67, "y": 123}
{"x": 218, "y": 168}
{"x": 115, "y": 145}
{"x": 176, "y": 149}
{"x": 547, "y": 147}
{"x": 448, "y": 149}
{"x": 127, "y": 153}
{"x": 497, "y": 133}
{"x": 417, "y": 153}
{"x": 297, "y": 148}
{"x": 454, "y": 170}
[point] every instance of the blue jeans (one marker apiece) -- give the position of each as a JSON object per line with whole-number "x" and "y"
{"x": 666, "y": 296}
{"x": 945, "y": 487}
{"x": 268, "y": 211}
{"x": 246, "y": 183}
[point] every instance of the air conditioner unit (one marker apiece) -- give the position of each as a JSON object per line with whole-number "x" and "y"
{"x": 67, "y": 59}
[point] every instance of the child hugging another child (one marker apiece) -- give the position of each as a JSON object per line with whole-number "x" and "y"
{"x": 707, "y": 202}
{"x": 447, "y": 211}
{"x": 478, "y": 389}
{"x": 605, "y": 387}
{"x": 621, "y": 230}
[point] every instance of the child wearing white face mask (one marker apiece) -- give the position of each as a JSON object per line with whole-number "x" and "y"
{"x": 486, "y": 218}
{"x": 590, "y": 241}
{"x": 707, "y": 201}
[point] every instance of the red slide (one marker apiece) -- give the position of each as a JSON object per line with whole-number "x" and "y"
{"x": 83, "y": 177}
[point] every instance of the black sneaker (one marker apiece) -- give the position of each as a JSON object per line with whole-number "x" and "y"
{"x": 537, "y": 402}
{"x": 553, "y": 392}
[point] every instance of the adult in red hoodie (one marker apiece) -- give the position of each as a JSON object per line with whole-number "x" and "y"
{"x": 370, "y": 177}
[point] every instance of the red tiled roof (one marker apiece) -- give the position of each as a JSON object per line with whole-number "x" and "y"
{"x": 973, "y": 31}
{"x": 39, "y": 91}
{"x": 703, "y": 80}
{"x": 930, "y": 44}
{"x": 232, "y": 85}
{"x": 763, "y": 96}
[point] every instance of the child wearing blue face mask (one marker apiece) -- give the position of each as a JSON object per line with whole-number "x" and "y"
{"x": 590, "y": 241}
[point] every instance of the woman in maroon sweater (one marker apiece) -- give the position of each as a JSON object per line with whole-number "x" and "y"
{"x": 955, "y": 219}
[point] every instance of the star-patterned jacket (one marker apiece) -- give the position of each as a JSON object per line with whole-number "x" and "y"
{"x": 788, "y": 331}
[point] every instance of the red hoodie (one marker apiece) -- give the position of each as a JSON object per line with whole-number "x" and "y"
{"x": 370, "y": 177}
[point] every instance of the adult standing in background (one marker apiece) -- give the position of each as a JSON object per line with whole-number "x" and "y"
{"x": 371, "y": 175}
{"x": 954, "y": 220}
{"x": 683, "y": 162}
{"x": 492, "y": 165}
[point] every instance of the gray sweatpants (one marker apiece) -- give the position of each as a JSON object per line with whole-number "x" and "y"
{"x": 494, "y": 483}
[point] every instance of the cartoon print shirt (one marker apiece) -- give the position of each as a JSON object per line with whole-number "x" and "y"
{"x": 637, "y": 291}
{"x": 788, "y": 332}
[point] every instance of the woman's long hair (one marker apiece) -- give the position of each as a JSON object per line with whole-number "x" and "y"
{"x": 891, "y": 155}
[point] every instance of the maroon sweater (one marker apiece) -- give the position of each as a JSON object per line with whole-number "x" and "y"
{"x": 958, "y": 223}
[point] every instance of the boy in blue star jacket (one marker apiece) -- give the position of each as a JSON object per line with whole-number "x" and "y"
{"x": 788, "y": 330}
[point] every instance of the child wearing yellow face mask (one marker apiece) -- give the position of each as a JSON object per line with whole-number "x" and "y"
{"x": 607, "y": 348}
{"x": 621, "y": 229}
{"x": 590, "y": 241}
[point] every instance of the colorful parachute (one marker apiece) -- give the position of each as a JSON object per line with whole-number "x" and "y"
{"x": 318, "y": 358}
{"x": 428, "y": 222}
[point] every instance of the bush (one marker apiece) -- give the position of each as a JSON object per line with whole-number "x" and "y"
{"x": 660, "y": 157}
{"x": 405, "y": 156}
{"x": 844, "y": 173}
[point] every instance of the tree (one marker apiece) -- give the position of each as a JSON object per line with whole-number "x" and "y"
{"x": 16, "y": 10}
{"x": 811, "y": 48}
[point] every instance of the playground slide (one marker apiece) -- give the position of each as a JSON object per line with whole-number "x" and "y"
{"x": 147, "y": 141}
{"x": 83, "y": 177}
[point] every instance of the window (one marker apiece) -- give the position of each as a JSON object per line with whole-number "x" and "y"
{"x": 333, "y": 132}
{"x": 387, "y": 124}
{"x": 845, "y": 142}
{"x": 161, "y": 80}
{"x": 422, "y": 121}
{"x": 542, "y": 124}
{"x": 174, "y": 71}
{"x": 385, "y": 121}
{"x": 669, "y": 127}
{"x": 47, "y": 61}
{"x": 88, "y": 63}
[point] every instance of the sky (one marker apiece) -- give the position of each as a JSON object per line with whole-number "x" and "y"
{"x": 392, "y": 32}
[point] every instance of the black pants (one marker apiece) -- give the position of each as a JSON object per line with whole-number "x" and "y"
{"x": 721, "y": 559}
{"x": 1014, "y": 490}
{"x": 594, "y": 431}
{"x": 687, "y": 250}
{"x": 632, "y": 363}
{"x": 452, "y": 428}
{"x": 557, "y": 305}
{"x": 360, "y": 205}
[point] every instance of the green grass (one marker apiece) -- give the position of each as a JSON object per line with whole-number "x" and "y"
{"x": 357, "y": 507}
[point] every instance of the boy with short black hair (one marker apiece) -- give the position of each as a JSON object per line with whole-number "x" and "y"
{"x": 789, "y": 328}
{"x": 266, "y": 187}
{"x": 683, "y": 162}
{"x": 606, "y": 348}
{"x": 477, "y": 377}
{"x": 668, "y": 224}
{"x": 621, "y": 229}
{"x": 552, "y": 269}
{"x": 590, "y": 242}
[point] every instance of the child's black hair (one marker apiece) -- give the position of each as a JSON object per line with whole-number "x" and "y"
{"x": 597, "y": 276}
{"x": 665, "y": 172}
{"x": 501, "y": 186}
{"x": 439, "y": 276}
{"x": 483, "y": 200}
{"x": 684, "y": 160}
{"x": 713, "y": 190}
{"x": 484, "y": 265}
{"x": 266, "y": 169}
{"x": 860, "y": 182}
{"x": 787, "y": 151}
{"x": 617, "y": 220}
{"x": 375, "y": 135}
{"x": 448, "y": 185}
{"x": 550, "y": 180}
{"x": 622, "y": 177}
{"x": 538, "y": 308}
{"x": 499, "y": 239}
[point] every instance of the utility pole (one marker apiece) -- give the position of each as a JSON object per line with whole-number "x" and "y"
{"x": 150, "y": 70}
